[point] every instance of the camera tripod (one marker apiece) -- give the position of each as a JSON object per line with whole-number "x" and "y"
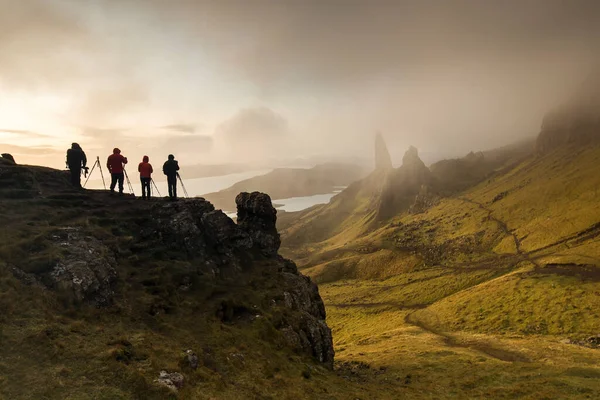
{"x": 182, "y": 185}
{"x": 90, "y": 174}
{"x": 128, "y": 182}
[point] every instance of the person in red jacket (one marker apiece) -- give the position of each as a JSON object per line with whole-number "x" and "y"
{"x": 116, "y": 164}
{"x": 145, "y": 169}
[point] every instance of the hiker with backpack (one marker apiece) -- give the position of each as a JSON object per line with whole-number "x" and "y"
{"x": 76, "y": 161}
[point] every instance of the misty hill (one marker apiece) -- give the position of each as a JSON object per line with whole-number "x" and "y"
{"x": 456, "y": 175}
{"x": 101, "y": 293}
{"x": 504, "y": 273}
{"x": 577, "y": 122}
{"x": 283, "y": 183}
{"x": 388, "y": 191}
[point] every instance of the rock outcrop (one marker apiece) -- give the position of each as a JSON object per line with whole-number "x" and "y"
{"x": 383, "y": 161}
{"x": 257, "y": 217}
{"x": 404, "y": 185}
{"x": 173, "y": 380}
{"x": 86, "y": 271}
{"x": 8, "y": 158}
{"x": 192, "y": 248}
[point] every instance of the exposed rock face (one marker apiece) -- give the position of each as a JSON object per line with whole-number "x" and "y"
{"x": 257, "y": 216}
{"x": 411, "y": 158}
{"x": 404, "y": 185}
{"x": 383, "y": 160}
{"x": 307, "y": 333}
{"x": 195, "y": 227}
{"x": 86, "y": 272}
{"x": 173, "y": 380}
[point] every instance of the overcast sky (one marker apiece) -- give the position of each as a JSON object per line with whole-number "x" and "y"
{"x": 238, "y": 80}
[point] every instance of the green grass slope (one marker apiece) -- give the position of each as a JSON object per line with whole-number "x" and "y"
{"x": 56, "y": 347}
{"x": 538, "y": 222}
{"x": 479, "y": 295}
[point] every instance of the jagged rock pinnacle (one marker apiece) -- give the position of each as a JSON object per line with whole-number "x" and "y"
{"x": 411, "y": 157}
{"x": 382, "y": 155}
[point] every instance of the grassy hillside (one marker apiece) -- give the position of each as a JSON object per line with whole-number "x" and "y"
{"x": 96, "y": 336}
{"x": 501, "y": 273}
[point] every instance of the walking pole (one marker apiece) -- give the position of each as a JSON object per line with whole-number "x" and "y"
{"x": 182, "y": 185}
{"x": 128, "y": 182}
{"x": 101, "y": 173}
{"x": 156, "y": 187}
{"x": 90, "y": 174}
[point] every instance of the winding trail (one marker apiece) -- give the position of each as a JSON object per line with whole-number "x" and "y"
{"x": 484, "y": 348}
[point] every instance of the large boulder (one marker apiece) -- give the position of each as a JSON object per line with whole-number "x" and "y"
{"x": 86, "y": 272}
{"x": 257, "y": 216}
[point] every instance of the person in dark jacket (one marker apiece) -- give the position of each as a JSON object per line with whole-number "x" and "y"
{"x": 145, "y": 169}
{"x": 116, "y": 164}
{"x": 76, "y": 160}
{"x": 170, "y": 168}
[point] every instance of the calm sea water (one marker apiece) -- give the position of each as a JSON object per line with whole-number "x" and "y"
{"x": 301, "y": 203}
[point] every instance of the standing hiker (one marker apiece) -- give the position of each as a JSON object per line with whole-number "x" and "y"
{"x": 76, "y": 160}
{"x": 145, "y": 169}
{"x": 116, "y": 164}
{"x": 170, "y": 168}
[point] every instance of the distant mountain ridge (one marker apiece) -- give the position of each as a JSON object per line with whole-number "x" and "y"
{"x": 283, "y": 183}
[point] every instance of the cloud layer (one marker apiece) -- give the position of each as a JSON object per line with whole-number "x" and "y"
{"x": 296, "y": 78}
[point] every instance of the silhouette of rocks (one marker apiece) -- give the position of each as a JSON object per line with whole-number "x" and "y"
{"x": 8, "y": 158}
{"x": 404, "y": 185}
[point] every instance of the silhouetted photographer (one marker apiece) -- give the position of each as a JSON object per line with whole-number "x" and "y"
{"x": 76, "y": 161}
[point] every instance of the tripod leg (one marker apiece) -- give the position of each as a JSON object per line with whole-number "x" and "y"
{"x": 90, "y": 174}
{"x": 129, "y": 182}
{"x": 156, "y": 187}
{"x": 101, "y": 173}
{"x": 182, "y": 185}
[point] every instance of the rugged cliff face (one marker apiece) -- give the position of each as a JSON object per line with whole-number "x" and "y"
{"x": 88, "y": 253}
